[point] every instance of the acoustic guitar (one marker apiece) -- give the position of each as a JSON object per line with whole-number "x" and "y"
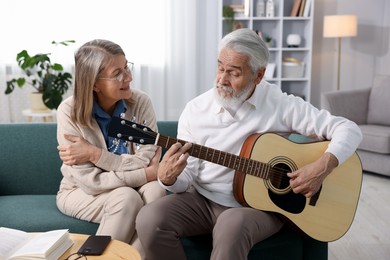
{"x": 261, "y": 180}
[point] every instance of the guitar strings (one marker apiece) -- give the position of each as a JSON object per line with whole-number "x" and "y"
{"x": 278, "y": 173}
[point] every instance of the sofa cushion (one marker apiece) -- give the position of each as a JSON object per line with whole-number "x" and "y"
{"x": 39, "y": 213}
{"x": 379, "y": 101}
{"x": 376, "y": 138}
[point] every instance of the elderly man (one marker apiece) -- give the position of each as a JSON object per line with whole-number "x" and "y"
{"x": 241, "y": 103}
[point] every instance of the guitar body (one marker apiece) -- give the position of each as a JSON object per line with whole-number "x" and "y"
{"x": 326, "y": 216}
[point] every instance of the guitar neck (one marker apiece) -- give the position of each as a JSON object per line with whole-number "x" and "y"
{"x": 229, "y": 160}
{"x": 130, "y": 131}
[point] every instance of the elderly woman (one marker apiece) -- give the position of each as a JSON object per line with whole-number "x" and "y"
{"x": 105, "y": 180}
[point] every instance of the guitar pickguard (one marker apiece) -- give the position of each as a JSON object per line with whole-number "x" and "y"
{"x": 290, "y": 202}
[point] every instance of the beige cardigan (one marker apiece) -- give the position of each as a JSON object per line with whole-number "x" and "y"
{"x": 111, "y": 171}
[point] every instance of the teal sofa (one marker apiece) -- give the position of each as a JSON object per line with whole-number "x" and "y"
{"x": 30, "y": 176}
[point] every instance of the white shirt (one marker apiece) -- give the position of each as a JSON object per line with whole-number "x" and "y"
{"x": 206, "y": 123}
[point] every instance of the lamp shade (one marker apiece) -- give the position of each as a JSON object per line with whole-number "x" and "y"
{"x": 340, "y": 26}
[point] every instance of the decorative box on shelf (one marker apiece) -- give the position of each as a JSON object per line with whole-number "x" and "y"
{"x": 292, "y": 68}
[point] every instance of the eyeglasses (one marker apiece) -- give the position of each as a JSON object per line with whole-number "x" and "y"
{"x": 121, "y": 75}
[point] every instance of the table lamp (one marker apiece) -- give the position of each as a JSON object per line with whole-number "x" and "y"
{"x": 338, "y": 26}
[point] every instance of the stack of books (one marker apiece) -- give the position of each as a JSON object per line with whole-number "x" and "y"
{"x": 301, "y": 8}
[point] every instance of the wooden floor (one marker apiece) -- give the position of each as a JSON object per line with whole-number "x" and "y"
{"x": 369, "y": 236}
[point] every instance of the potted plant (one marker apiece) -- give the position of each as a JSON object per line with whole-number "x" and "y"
{"x": 268, "y": 41}
{"x": 47, "y": 78}
{"x": 228, "y": 14}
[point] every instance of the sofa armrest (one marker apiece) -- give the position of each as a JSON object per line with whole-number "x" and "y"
{"x": 352, "y": 104}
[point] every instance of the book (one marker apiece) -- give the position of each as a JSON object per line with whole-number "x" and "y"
{"x": 246, "y": 7}
{"x": 269, "y": 71}
{"x": 301, "y": 8}
{"x": 306, "y": 12}
{"x": 19, "y": 245}
{"x": 295, "y": 8}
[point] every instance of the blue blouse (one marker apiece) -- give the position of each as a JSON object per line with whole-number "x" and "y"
{"x": 103, "y": 119}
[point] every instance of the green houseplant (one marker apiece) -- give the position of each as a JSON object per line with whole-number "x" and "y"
{"x": 268, "y": 41}
{"x": 228, "y": 14}
{"x": 46, "y": 77}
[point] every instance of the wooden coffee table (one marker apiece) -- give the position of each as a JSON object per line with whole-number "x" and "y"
{"x": 115, "y": 249}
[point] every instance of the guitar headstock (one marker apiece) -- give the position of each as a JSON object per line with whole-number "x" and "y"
{"x": 130, "y": 131}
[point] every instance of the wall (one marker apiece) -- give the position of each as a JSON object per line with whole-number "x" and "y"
{"x": 361, "y": 58}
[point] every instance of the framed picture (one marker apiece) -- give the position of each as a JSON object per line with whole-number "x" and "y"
{"x": 269, "y": 71}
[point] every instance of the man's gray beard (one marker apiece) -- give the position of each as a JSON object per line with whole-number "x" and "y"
{"x": 235, "y": 100}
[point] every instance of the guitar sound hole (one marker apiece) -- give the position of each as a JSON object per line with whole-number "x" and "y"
{"x": 279, "y": 178}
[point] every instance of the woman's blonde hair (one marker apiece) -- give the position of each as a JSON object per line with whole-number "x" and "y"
{"x": 90, "y": 60}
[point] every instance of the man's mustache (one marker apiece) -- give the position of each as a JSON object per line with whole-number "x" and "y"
{"x": 225, "y": 88}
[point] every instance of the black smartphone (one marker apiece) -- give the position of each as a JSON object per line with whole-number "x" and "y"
{"x": 94, "y": 245}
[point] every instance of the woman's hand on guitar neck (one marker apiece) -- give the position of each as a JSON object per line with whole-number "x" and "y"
{"x": 308, "y": 179}
{"x": 173, "y": 163}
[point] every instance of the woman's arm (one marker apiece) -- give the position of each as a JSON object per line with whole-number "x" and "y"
{"x": 117, "y": 171}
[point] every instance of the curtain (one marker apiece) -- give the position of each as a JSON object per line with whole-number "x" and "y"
{"x": 173, "y": 44}
{"x": 12, "y": 105}
{"x": 4, "y": 100}
{"x": 191, "y": 38}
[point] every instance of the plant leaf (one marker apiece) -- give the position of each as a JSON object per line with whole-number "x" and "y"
{"x": 52, "y": 99}
{"x": 57, "y": 67}
{"x": 20, "y": 82}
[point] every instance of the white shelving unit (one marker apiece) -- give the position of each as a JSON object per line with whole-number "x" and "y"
{"x": 279, "y": 27}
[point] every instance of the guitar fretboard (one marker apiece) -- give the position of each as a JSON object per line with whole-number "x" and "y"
{"x": 229, "y": 160}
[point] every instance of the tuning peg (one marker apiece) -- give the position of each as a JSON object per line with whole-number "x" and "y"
{"x": 122, "y": 115}
{"x": 144, "y": 122}
{"x": 133, "y": 119}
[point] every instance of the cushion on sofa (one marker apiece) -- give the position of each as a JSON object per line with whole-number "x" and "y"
{"x": 376, "y": 138}
{"x": 343, "y": 103}
{"x": 379, "y": 101}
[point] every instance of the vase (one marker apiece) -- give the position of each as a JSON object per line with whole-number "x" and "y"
{"x": 293, "y": 40}
{"x": 36, "y": 102}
